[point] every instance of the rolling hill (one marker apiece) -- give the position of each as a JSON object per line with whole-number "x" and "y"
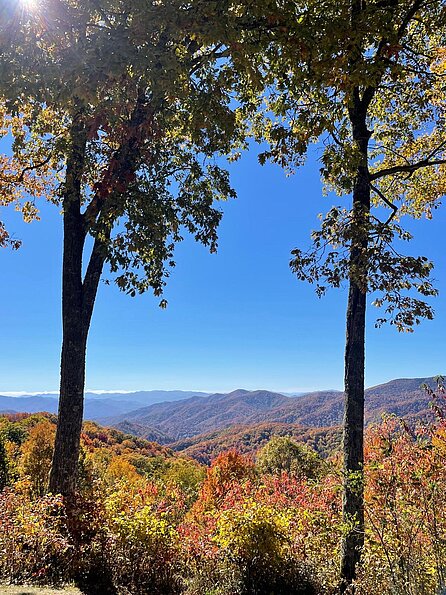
{"x": 203, "y": 414}
{"x": 200, "y": 415}
{"x": 248, "y": 439}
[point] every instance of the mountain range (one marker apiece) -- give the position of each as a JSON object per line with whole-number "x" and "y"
{"x": 97, "y": 405}
{"x": 200, "y": 416}
{"x": 201, "y": 425}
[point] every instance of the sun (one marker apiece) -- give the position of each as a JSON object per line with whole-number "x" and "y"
{"x": 29, "y": 5}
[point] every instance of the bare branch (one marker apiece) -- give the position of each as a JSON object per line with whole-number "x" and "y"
{"x": 387, "y": 201}
{"x": 33, "y": 167}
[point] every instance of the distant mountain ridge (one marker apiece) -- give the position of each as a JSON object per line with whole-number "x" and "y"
{"x": 97, "y": 406}
{"x": 176, "y": 416}
{"x": 191, "y": 417}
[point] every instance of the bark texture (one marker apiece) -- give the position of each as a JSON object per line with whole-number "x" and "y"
{"x": 76, "y": 316}
{"x": 353, "y": 439}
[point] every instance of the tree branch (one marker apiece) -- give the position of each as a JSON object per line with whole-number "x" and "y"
{"x": 122, "y": 168}
{"x": 370, "y": 91}
{"x": 435, "y": 151}
{"x": 387, "y": 201}
{"x": 409, "y": 16}
{"x": 33, "y": 167}
{"x": 93, "y": 276}
{"x": 396, "y": 169}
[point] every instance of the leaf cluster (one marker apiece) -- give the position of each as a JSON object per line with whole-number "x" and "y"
{"x": 378, "y": 269}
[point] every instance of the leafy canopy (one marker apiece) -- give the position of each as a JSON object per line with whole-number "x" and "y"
{"x": 140, "y": 96}
{"x": 328, "y": 65}
{"x": 282, "y": 453}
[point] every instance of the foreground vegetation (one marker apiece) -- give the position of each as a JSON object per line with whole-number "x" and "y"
{"x": 147, "y": 521}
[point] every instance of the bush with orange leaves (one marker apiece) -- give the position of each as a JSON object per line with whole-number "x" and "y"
{"x": 405, "y": 551}
{"x": 227, "y": 470}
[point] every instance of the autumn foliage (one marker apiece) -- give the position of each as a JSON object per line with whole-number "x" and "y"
{"x": 145, "y": 520}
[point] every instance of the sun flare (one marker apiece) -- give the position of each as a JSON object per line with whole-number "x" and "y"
{"x": 29, "y": 5}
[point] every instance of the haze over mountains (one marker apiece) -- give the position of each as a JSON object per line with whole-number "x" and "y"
{"x": 97, "y": 405}
{"x": 184, "y": 418}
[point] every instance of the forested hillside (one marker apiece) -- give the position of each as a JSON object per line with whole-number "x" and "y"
{"x": 200, "y": 415}
{"x": 249, "y": 439}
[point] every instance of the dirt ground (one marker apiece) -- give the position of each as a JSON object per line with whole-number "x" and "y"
{"x": 25, "y": 590}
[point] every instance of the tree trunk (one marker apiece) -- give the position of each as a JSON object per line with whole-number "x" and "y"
{"x": 77, "y": 308}
{"x": 71, "y": 403}
{"x": 79, "y": 295}
{"x": 67, "y": 443}
{"x": 353, "y": 439}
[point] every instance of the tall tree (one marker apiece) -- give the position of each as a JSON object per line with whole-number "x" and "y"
{"x": 366, "y": 80}
{"x": 129, "y": 103}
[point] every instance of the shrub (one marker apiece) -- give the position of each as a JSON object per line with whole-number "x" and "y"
{"x": 37, "y": 452}
{"x": 282, "y": 453}
{"x": 256, "y": 541}
{"x": 33, "y": 539}
{"x": 228, "y": 469}
{"x": 405, "y": 498}
{"x": 143, "y": 545}
{"x": 4, "y": 466}
{"x": 186, "y": 474}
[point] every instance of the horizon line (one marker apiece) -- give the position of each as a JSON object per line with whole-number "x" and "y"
{"x": 287, "y": 391}
{"x": 129, "y": 392}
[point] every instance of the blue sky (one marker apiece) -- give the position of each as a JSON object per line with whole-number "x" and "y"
{"x": 235, "y": 319}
